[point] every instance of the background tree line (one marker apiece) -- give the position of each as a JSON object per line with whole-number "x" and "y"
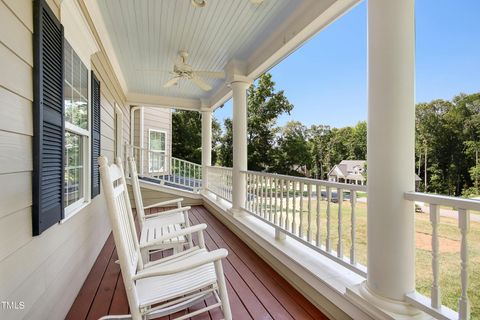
{"x": 447, "y": 140}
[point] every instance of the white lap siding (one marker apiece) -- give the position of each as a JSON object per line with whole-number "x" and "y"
{"x": 44, "y": 272}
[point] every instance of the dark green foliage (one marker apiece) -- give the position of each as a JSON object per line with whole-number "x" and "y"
{"x": 187, "y": 136}
{"x": 448, "y": 136}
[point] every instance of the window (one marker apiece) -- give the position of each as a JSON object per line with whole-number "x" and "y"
{"x": 76, "y": 130}
{"x": 157, "y": 145}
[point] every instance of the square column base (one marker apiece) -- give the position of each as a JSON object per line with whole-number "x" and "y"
{"x": 382, "y": 308}
{"x": 237, "y": 212}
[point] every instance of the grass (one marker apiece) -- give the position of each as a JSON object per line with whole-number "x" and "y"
{"x": 449, "y": 236}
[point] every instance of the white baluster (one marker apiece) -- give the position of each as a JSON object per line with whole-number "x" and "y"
{"x": 262, "y": 192}
{"x": 294, "y": 209}
{"x": 270, "y": 198}
{"x": 319, "y": 196}
{"x": 280, "y": 222}
{"x": 464, "y": 302}
{"x": 275, "y": 216}
{"x": 257, "y": 193}
{"x": 328, "y": 244}
{"x": 309, "y": 206}
{"x": 353, "y": 217}
{"x": 300, "y": 231}
{"x": 435, "y": 290}
{"x": 340, "y": 223}
{"x": 287, "y": 218}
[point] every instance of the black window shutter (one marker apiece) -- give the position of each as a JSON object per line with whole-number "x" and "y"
{"x": 95, "y": 135}
{"x": 48, "y": 120}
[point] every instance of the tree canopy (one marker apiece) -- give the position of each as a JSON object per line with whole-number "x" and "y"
{"x": 447, "y": 143}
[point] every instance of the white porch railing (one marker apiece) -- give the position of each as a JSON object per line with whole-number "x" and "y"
{"x": 219, "y": 182}
{"x": 462, "y": 207}
{"x": 156, "y": 166}
{"x": 304, "y": 208}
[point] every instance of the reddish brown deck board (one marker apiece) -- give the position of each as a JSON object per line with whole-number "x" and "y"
{"x": 103, "y": 299}
{"x": 81, "y": 306}
{"x": 286, "y": 294}
{"x": 255, "y": 290}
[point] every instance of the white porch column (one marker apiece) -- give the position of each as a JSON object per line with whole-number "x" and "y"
{"x": 239, "y": 90}
{"x": 206, "y": 144}
{"x": 391, "y": 146}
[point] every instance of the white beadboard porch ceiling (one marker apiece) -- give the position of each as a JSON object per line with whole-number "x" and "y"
{"x": 146, "y": 36}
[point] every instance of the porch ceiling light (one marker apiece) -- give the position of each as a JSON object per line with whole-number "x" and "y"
{"x": 199, "y": 3}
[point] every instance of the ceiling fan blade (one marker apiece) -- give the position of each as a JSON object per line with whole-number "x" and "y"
{"x": 201, "y": 84}
{"x": 171, "y": 82}
{"x": 210, "y": 74}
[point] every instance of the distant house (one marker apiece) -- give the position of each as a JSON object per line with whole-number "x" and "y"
{"x": 348, "y": 171}
{"x": 352, "y": 171}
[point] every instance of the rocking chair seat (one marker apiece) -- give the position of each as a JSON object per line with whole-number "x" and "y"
{"x": 152, "y": 230}
{"x": 162, "y": 288}
{"x": 155, "y": 289}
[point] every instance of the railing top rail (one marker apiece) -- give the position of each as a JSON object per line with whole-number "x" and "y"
{"x": 339, "y": 185}
{"x": 454, "y": 202}
{"x": 186, "y": 161}
{"x": 220, "y": 168}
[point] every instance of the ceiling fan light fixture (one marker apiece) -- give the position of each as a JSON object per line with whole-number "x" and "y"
{"x": 199, "y": 3}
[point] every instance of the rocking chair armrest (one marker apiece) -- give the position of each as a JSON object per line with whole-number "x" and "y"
{"x": 185, "y": 265}
{"x": 175, "y": 234}
{"x": 164, "y": 203}
{"x": 163, "y": 213}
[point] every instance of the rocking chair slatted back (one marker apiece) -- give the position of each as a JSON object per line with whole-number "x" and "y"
{"x": 124, "y": 233}
{"x": 136, "y": 191}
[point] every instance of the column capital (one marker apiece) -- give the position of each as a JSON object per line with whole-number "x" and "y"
{"x": 239, "y": 79}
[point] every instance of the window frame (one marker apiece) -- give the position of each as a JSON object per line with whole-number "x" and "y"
{"x": 85, "y": 134}
{"x": 150, "y": 131}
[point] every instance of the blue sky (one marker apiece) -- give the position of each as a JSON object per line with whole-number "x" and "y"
{"x": 326, "y": 79}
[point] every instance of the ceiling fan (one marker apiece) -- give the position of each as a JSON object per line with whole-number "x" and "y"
{"x": 182, "y": 70}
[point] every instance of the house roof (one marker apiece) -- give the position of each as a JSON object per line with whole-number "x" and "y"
{"x": 345, "y": 169}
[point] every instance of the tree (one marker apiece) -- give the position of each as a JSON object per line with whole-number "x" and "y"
{"x": 187, "y": 136}
{"x": 294, "y": 156}
{"x": 264, "y": 106}
{"x": 225, "y": 149}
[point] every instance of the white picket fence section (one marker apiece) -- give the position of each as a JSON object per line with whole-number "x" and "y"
{"x": 293, "y": 206}
{"x": 167, "y": 170}
{"x": 219, "y": 181}
{"x": 462, "y": 207}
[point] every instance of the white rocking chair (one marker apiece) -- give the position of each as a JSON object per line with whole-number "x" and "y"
{"x": 156, "y": 225}
{"x": 168, "y": 285}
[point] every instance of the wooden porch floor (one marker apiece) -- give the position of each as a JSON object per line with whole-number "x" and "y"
{"x": 255, "y": 290}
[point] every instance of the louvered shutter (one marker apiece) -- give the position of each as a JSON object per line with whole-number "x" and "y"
{"x": 95, "y": 135}
{"x": 48, "y": 112}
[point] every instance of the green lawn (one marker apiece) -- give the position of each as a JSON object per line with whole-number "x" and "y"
{"x": 449, "y": 247}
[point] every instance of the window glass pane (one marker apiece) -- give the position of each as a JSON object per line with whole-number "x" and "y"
{"x": 76, "y": 89}
{"x": 157, "y": 141}
{"x": 73, "y": 168}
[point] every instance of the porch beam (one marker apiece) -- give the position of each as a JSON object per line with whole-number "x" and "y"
{"x": 163, "y": 101}
{"x": 239, "y": 93}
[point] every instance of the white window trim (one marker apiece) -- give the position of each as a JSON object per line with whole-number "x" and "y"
{"x": 159, "y": 131}
{"x": 78, "y": 34}
{"x": 74, "y": 208}
{"x": 150, "y": 149}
